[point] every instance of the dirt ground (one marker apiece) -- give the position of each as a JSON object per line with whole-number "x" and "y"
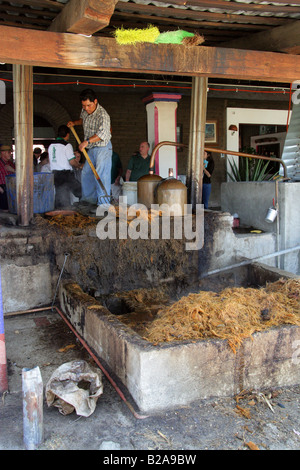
{"x": 266, "y": 421}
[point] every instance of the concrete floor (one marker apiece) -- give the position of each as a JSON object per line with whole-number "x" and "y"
{"x": 217, "y": 424}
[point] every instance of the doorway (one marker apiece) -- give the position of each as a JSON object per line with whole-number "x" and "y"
{"x": 256, "y": 119}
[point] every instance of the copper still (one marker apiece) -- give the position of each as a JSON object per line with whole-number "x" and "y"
{"x": 168, "y": 193}
{"x": 145, "y": 189}
{"x": 173, "y": 193}
{"x": 151, "y": 189}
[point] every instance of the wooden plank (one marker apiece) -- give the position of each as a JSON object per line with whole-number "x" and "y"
{"x": 98, "y": 53}
{"x": 280, "y": 39}
{"x": 84, "y": 16}
{"x": 23, "y": 118}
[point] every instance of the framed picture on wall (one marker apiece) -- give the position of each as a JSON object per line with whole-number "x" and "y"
{"x": 179, "y": 136}
{"x": 211, "y": 132}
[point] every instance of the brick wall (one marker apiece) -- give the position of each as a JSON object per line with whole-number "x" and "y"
{"x": 129, "y": 121}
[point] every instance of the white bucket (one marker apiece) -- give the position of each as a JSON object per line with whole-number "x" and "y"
{"x": 271, "y": 215}
{"x": 129, "y": 189}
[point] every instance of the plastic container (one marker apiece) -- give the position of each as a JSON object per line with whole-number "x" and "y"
{"x": 236, "y": 221}
{"x": 43, "y": 193}
{"x": 129, "y": 189}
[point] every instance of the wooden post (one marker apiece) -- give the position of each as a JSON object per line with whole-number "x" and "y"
{"x": 23, "y": 116}
{"x": 197, "y": 139}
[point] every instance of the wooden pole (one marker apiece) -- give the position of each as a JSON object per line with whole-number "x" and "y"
{"x": 91, "y": 164}
{"x": 23, "y": 116}
{"x": 197, "y": 139}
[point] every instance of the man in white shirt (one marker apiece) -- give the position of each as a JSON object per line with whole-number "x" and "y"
{"x": 62, "y": 161}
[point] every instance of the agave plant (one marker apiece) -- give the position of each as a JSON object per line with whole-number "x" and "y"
{"x": 250, "y": 169}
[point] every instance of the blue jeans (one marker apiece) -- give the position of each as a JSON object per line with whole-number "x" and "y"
{"x": 206, "y": 190}
{"x": 91, "y": 189}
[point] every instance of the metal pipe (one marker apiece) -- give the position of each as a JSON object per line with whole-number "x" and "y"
{"x": 3, "y": 362}
{"x": 156, "y": 148}
{"x": 249, "y": 261}
{"x": 25, "y": 312}
{"x": 249, "y": 155}
{"x": 61, "y": 272}
{"x": 277, "y": 221}
{"x": 120, "y": 393}
{"x": 215, "y": 150}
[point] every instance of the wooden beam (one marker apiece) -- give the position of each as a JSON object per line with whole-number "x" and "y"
{"x": 84, "y": 16}
{"x": 23, "y": 118}
{"x": 280, "y": 39}
{"x": 197, "y": 139}
{"x": 72, "y": 51}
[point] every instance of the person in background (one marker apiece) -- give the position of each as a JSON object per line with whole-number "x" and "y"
{"x": 80, "y": 159}
{"x": 139, "y": 163}
{"x": 97, "y": 135}
{"x": 116, "y": 173}
{"x": 62, "y": 162}
{"x": 208, "y": 169}
{"x": 7, "y": 167}
{"x": 36, "y": 158}
{"x": 45, "y": 163}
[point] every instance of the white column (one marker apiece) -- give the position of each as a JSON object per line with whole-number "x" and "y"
{"x": 162, "y": 126}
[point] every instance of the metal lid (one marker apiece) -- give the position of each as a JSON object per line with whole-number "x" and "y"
{"x": 171, "y": 183}
{"x": 149, "y": 177}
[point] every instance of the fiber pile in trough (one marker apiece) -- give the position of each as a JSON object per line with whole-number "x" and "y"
{"x": 233, "y": 314}
{"x": 143, "y": 305}
{"x": 68, "y": 223}
{"x": 131, "y": 212}
{"x": 144, "y": 300}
